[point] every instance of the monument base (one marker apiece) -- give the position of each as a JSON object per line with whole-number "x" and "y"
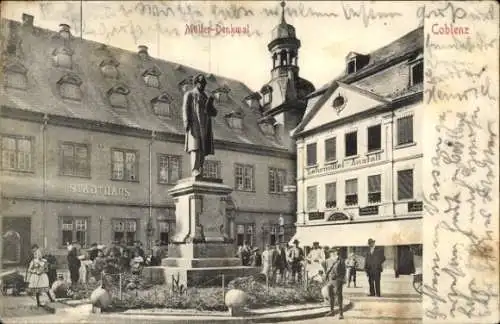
{"x": 202, "y": 253}
{"x": 198, "y": 265}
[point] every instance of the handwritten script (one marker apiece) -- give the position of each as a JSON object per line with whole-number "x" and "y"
{"x": 461, "y": 157}
{"x": 168, "y": 18}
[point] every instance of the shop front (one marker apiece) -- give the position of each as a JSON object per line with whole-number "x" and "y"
{"x": 401, "y": 240}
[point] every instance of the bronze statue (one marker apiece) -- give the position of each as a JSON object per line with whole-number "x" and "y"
{"x": 197, "y": 110}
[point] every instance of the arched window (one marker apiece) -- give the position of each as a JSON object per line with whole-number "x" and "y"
{"x": 275, "y": 58}
{"x": 283, "y": 58}
{"x": 69, "y": 87}
{"x": 109, "y": 68}
{"x": 11, "y": 247}
{"x": 15, "y": 76}
{"x": 118, "y": 96}
{"x": 63, "y": 57}
{"x": 152, "y": 77}
{"x": 162, "y": 105}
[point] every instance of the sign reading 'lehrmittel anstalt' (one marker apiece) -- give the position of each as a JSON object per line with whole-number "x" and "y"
{"x": 99, "y": 190}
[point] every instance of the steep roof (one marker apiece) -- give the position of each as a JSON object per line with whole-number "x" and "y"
{"x": 34, "y": 51}
{"x": 406, "y": 44}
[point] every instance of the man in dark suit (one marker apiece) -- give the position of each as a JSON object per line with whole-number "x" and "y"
{"x": 373, "y": 267}
{"x": 335, "y": 276}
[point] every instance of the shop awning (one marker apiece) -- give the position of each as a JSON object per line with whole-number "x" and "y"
{"x": 392, "y": 232}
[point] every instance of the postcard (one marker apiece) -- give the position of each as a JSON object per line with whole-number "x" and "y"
{"x": 249, "y": 161}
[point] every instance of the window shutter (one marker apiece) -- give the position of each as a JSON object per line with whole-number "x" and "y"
{"x": 405, "y": 184}
{"x": 405, "y": 130}
{"x": 311, "y": 198}
{"x": 311, "y": 154}
{"x": 330, "y": 149}
{"x": 374, "y": 183}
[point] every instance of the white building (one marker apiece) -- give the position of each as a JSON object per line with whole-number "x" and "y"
{"x": 359, "y": 156}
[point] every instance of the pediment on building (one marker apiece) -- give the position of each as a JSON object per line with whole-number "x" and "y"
{"x": 339, "y": 102}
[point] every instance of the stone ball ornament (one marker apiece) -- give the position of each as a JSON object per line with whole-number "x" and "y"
{"x": 100, "y": 298}
{"x": 60, "y": 288}
{"x": 236, "y": 301}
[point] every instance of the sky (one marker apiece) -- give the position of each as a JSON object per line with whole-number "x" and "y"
{"x": 328, "y": 31}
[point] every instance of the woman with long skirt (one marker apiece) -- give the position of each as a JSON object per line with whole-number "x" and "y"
{"x": 38, "y": 281}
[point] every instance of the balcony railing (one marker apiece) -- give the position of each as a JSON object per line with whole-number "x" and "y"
{"x": 316, "y": 215}
{"x": 415, "y": 206}
{"x": 368, "y": 210}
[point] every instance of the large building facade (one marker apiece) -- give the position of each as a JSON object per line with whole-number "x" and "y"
{"x": 359, "y": 156}
{"x": 92, "y": 140}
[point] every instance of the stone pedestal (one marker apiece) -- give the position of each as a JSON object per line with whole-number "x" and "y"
{"x": 201, "y": 250}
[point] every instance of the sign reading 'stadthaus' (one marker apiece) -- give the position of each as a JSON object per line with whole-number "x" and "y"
{"x": 99, "y": 190}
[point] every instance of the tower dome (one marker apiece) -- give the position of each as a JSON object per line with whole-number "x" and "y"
{"x": 283, "y": 32}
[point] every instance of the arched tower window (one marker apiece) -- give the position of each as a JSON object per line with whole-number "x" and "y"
{"x": 283, "y": 58}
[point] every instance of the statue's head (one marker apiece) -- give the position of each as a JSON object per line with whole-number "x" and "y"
{"x": 200, "y": 82}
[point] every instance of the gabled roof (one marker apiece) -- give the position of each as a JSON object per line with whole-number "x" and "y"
{"x": 43, "y": 97}
{"x": 404, "y": 47}
{"x": 319, "y": 104}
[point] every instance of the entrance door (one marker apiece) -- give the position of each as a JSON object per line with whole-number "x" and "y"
{"x": 404, "y": 264}
{"x": 16, "y": 239}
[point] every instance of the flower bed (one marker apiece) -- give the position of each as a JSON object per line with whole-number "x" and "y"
{"x": 210, "y": 299}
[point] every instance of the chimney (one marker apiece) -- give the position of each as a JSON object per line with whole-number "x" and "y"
{"x": 143, "y": 52}
{"x": 28, "y": 20}
{"x": 64, "y": 31}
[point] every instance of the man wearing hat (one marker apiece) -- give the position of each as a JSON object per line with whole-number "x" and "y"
{"x": 113, "y": 247}
{"x": 296, "y": 256}
{"x": 93, "y": 251}
{"x": 374, "y": 259}
{"x": 335, "y": 275}
{"x": 197, "y": 110}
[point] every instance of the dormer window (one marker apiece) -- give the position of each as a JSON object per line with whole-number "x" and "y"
{"x": 118, "y": 96}
{"x": 235, "y": 120}
{"x": 186, "y": 84}
{"x": 63, "y": 57}
{"x": 417, "y": 73}
{"x": 356, "y": 62}
{"x": 161, "y": 105}
{"x": 221, "y": 94}
{"x": 351, "y": 66}
{"x": 109, "y": 68}
{"x": 266, "y": 95}
{"x": 64, "y": 31}
{"x": 267, "y": 127}
{"x": 152, "y": 77}
{"x": 253, "y": 100}
{"x": 69, "y": 87}
{"x": 143, "y": 52}
{"x": 15, "y": 76}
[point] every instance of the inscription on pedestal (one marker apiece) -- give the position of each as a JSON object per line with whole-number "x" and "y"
{"x": 212, "y": 219}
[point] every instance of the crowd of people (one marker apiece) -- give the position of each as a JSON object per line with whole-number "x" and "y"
{"x": 289, "y": 263}
{"x": 280, "y": 263}
{"x": 113, "y": 259}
